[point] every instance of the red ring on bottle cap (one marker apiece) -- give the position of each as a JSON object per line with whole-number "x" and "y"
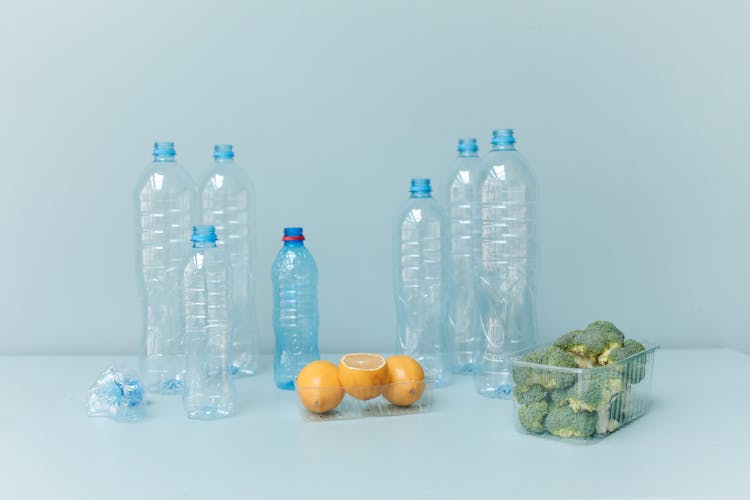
{"x": 293, "y": 238}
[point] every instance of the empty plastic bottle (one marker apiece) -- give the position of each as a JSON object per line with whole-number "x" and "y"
{"x": 228, "y": 200}
{"x": 209, "y": 389}
{"x": 295, "y": 308}
{"x": 462, "y": 200}
{"x": 509, "y": 262}
{"x": 421, "y": 287}
{"x": 165, "y": 200}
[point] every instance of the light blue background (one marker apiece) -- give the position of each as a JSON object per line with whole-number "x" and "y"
{"x": 634, "y": 114}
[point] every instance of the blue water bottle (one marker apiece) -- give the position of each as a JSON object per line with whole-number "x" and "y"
{"x": 295, "y": 308}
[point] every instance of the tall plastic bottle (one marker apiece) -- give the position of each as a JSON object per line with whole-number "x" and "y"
{"x": 209, "y": 389}
{"x": 421, "y": 287}
{"x": 228, "y": 201}
{"x": 295, "y": 308}
{"x": 166, "y": 202}
{"x": 462, "y": 206}
{"x": 509, "y": 262}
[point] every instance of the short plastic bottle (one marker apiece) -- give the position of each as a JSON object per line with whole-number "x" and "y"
{"x": 165, "y": 204}
{"x": 461, "y": 198}
{"x": 421, "y": 283}
{"x": 509, "y": 263}
{"x": 209, "y": 389}
{"x": 295, "y": 308}
{"x": 228, "y": 201}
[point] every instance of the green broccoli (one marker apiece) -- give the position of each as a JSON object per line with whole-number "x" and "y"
{"x": 562, "y": 421}
{"x": 530, "y": 394}
{"x": 593, "y": 393}
{"x": 584, "y": 345}
{"x": 532, "y": 416}
{"x": 635, "y": 369}
{"x": 526, "y": 376}
{"x": 620, "y": 409}
{"x": 613, "y": 338}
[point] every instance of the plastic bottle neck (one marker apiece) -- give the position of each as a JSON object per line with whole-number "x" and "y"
{"x": 204, "y": 244}
{"x": 164, "y": 159}
{"x": 294, "y": 243}
{"x": 421, "y": 195}
{"x": 468, "y": 154}
{"x": 504, "y": 147}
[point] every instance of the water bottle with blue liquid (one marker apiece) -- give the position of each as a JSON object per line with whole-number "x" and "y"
{"x": 295, "y": 308}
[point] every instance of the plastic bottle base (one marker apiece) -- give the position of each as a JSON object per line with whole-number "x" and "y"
{"x": 502, "y": 392}
{"x": 209, "y": 412}
{"x": 168, "y": 387}
{"x": 286, "y": 386}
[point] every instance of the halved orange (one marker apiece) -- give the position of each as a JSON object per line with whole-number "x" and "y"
{"x": 363, "y": 375}
{"x": 318, "y": 386}
{"x": 406, "y": 380}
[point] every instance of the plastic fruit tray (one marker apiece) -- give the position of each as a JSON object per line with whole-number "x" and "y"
{"x": 351, "y": 408}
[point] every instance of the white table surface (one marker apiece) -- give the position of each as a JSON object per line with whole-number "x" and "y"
{"x": 695, "y": 442}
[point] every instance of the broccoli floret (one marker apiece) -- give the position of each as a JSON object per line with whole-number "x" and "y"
{"x": 579, "y": 397}
{"x": 635, "y": 370}
{"x": 608, "y": 328}
{"x": 562, "y": 421}
{"x": 584, "y": 345}
{"x": 613, "y": 338}
{"x": 620, "y": 409}
{"x": 532, "y": 416}
{"x": 531, "y": 394}
{"x": 526, "y": 376}
{"x": 594, "y": 393}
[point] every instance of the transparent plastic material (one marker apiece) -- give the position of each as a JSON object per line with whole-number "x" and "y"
{"x": 209, "y": 389}
{"x": 228, "y": 201}
{"x": 421, "y": 283}
{"x": 508, "y": 264}
{"x": 117, "y": 393}
{"x": 581, "y": 404}
{"x": 166, "y": 202}
{"x": 295, "y": 309}
{"x": 351, "y": 408}
{"x": 461, "y": 198}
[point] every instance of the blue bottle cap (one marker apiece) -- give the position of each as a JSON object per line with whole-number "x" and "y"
{"x": 293, "y": 234}
{"x": 223, "y": 152}
{"x": 420, "y": 186}
{"x": 204, "y": 234}
{"x": 163, "y": 149}
{"x": 503, "y": 137}
{"x": 467, "y": 145}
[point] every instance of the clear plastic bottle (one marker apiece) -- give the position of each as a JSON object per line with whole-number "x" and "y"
{"x": 228, "y": 200}
{"x": 462, "y": 206}
{"x": 295, "y": 308}
{"x": 421, "y": 285}
{"x": 509, "y": 262}
{"x": 209, "y": 389}
{"x": 165, "y": 201}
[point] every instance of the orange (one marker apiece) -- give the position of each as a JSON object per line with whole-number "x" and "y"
{"x": 318, "y": 386}
{"x": 363, "y": 375}
{"x": 406, "y": 380}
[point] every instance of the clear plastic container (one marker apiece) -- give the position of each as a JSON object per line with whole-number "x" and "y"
{"x": 228, "y": 200}
{"x": 421, "y": 283}
{"x": 351, "y": 408}
{"x": 581, "y": 404}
